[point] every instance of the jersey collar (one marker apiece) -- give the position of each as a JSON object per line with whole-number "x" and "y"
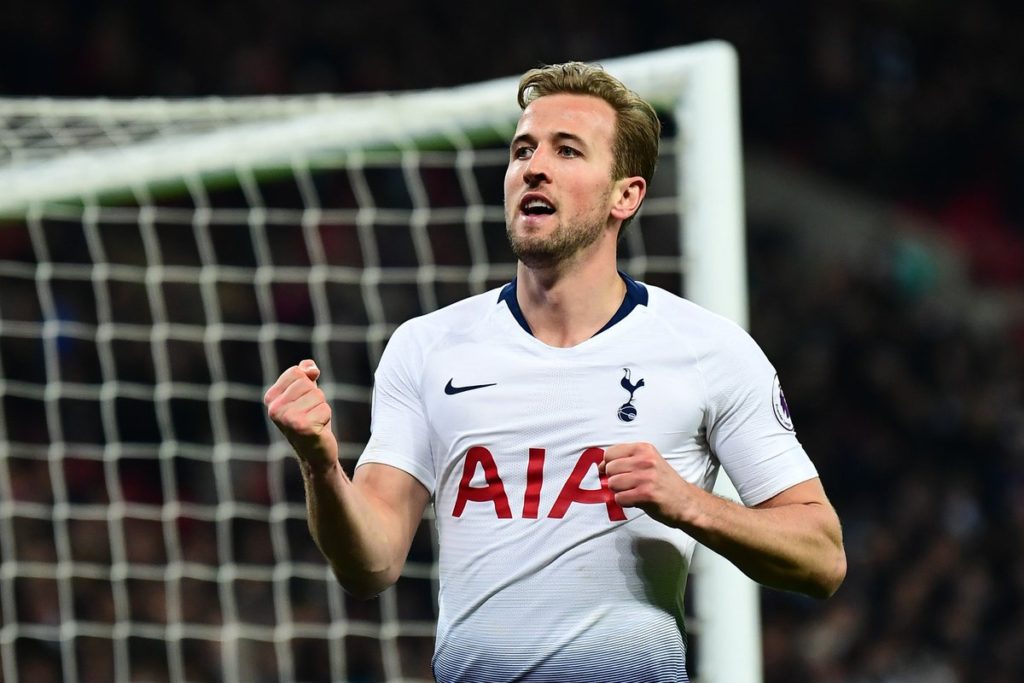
{"x": 636, "y": 295}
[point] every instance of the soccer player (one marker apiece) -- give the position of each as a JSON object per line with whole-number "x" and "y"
{"x": 568, "y": 428}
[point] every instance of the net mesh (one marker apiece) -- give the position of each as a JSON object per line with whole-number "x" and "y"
{"x": 152, "y": 522}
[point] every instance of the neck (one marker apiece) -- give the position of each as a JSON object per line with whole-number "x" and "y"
{"x": 568, "y": 304}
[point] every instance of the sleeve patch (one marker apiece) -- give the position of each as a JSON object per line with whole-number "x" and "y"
{"x": 780, "y": 406}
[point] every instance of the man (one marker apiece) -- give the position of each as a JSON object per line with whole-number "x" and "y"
{"x": 568, "y": 428}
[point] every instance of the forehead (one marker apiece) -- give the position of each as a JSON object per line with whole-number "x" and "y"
{"x": 585, "y": 116}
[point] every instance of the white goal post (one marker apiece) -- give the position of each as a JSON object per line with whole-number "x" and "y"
{"x": 103, "y": 165}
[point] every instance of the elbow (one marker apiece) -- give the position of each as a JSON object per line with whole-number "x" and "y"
{"x": 362, "y": 592}
{"x": 839, "y": 572}
{"x": 830, "y": 578}
{"x": 832, "y": 567}
{"x": 366, "y": 586}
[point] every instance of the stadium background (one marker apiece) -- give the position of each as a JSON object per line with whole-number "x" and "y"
{"x": 902, "y": 359}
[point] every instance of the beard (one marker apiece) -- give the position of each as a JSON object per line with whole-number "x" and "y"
{"x": 565, "y": 241}
{"x": 559, "y": 247}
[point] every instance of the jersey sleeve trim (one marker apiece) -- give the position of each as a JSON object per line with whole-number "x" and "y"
{"x": 420, "y": 474}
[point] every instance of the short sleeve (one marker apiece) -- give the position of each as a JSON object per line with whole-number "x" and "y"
{"x": 749, "y": 427}
{"x": 399, "y": 434}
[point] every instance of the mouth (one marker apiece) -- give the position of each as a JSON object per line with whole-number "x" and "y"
{"x": 536, "y": 205}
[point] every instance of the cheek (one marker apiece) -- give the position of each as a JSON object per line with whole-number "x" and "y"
{"x": 507, "y": 185}
{"x": 595, "y": 193}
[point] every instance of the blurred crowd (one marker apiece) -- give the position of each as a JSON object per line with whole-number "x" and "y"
{"x": 915, "y": 420}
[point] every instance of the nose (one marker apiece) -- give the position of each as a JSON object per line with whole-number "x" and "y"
{"x": 536, "y": 169}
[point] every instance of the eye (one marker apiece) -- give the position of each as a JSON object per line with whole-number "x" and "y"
{"x": 522, "y": 152}
{"x": 568, "y": 152}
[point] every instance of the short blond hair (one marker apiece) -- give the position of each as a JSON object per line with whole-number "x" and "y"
{"x": 637, "y": 127}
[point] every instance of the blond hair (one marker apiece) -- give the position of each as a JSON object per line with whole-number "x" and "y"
{"x": 637, "y": 127}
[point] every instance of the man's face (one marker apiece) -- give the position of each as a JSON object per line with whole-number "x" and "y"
{"x": 558, "y": 186}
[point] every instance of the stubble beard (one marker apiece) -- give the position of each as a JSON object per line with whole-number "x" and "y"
{"x": 565, "y": 242}
{"x": 559, "y": 247}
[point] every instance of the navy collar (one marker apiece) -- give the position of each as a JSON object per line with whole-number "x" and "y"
{"x": 636, "y": 295}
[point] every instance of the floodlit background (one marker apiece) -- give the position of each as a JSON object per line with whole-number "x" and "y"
{"x": 885, "y": 200}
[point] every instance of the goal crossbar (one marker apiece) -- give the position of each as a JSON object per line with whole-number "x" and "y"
{"x": 267, "y": 132}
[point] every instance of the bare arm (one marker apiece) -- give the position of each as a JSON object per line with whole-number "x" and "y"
{"x": 791, "y": 541}
{"x": 363, "y": 526}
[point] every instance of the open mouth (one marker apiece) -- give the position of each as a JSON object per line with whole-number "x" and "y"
{"x": 535, "y": 206}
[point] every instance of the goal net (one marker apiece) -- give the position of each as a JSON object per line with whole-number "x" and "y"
{"x": 162, "y": 261}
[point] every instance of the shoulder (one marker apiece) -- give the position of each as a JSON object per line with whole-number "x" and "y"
{"x": 455, "y": 320}
{"x": 724, "y": 354}
{"x": 693, "y": 322}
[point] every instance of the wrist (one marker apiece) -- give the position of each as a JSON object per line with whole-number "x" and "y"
{"x": 318, "y": 470}
{"x": 696, "y": 510}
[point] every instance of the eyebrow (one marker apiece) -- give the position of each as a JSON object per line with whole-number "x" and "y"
{"x": 559, "y": 136}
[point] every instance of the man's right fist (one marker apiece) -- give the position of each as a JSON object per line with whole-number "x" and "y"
{"x": 299, "y": 409}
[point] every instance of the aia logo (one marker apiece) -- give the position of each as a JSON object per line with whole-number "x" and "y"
{"x": 627, "y": 411}
{"x": 494, "y": 491}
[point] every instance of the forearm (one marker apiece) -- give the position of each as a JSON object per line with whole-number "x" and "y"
{"x": 363, "y": 527}
{"x": 792, "y": 546}
{"x": 351, "y": 532}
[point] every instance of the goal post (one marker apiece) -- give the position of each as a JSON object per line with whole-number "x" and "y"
{"x": 727, "y": 603}
{"x": 161, "y": 260}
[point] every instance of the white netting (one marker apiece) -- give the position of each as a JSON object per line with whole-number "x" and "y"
{"x": 161, "y": 263}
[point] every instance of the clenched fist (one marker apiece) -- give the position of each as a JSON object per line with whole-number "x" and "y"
{"x": 640, "y": 477}
{"x": 299, "y": 409}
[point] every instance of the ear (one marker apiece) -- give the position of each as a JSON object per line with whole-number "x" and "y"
{"x": 627, "y": 196}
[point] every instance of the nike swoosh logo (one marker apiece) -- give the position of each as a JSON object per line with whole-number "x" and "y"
{"x": 451, "y": 390}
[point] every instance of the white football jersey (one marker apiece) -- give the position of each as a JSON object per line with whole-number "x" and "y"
{"x": 543, "y": 577}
